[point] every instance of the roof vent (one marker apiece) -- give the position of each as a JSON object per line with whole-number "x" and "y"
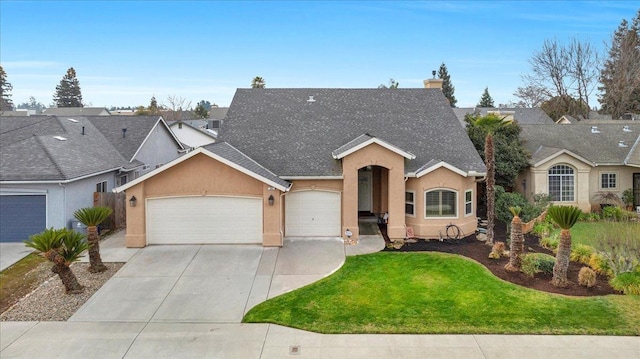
{"x": 311, "y": 99}
{"x": 72, "y": 120}
{"x": 59, "y": 138}
{"x": 124, "y": 132}
{"x": 621, "y": 144}
{"x": 594, "y": 129}
{"x": 626, "y": 129}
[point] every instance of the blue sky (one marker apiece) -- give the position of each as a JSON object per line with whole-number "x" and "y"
{"x": 124, "y": 51}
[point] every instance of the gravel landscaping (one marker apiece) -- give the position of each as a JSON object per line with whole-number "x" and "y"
{"x": 49, "y": 302}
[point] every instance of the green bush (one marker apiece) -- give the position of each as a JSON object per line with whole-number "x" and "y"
{"x": 543, "y": 229}
{"x": 581, "y": 253}
{"x": 551, "y": 242}
{"x": 589, "y": 217}
{"x": 529, "y": 211}
{"x": 533, "y": 263}
{"x": 627, "y": 283}
{"x": 618, "y": 214}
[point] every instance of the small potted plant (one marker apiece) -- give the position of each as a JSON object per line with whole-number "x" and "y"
{"x": 628, "y": 198}
{"x": 606, "y": 199}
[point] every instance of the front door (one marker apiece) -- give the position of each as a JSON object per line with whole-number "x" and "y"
{"x": 364, "y": 190}
{"x": 636, "y": 189}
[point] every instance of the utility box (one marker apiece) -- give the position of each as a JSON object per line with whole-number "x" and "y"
{"x": 78, "y": 226}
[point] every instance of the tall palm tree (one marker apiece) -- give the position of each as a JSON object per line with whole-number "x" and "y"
{"x": 62, "y": 247}
{"x": 517, "y": 241}
{"x": 92, "y": 217}
{"x": 258, "y": 83}
{"x": 565, "y": 217}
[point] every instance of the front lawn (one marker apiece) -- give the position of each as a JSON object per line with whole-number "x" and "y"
{"x": 426, "y": 292}
{"x": 589, "y": 233}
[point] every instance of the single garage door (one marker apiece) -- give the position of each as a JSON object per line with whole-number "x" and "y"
{"x": 22, "y": 216}
{"x": 199, "y": 220}
{"x": 312, "y": 214}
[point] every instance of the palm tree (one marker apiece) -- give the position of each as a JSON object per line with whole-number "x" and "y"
{"x": 62, "y": 247}
{"x": 565, "y": 217}
{"x": 517, "y": 241}
{"x": 258, "y": 83}
{"x": 92, "y": 217}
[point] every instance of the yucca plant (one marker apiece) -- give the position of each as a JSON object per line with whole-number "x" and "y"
{"x": 565, "y": 217}
{"x": 62, "y": 247}
{"x": 92, "y": 217}
{"x": 517, "y": 241}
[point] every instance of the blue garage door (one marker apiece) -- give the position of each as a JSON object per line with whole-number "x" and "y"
{"x": 22, "y": 216}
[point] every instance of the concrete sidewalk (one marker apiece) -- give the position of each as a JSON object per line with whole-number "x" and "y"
{"x": 11, "y": 253}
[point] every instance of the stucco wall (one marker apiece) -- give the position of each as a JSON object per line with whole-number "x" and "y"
{"x": 204, "y": 176}
{"x": 442, "y": 178}
{"x": 160, "y": 148}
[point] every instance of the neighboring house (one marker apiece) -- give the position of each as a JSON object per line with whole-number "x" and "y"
{"x": 76, "y": 111}
{"x": 524, "y": 116}
{"x": 216, "y": 117}
{"x": 307, "y": 163}
{"x": 574, "y": 161}
{"x": 51, "y": 165}
{"x": 18, "y": 112}
{"x": 192, "y": 136}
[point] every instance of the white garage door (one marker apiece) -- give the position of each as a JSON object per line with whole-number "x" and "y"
{"x": 312, "y": 214}
{"x": 195, "y": 220}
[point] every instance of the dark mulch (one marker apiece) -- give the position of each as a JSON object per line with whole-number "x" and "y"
{"x": 472, "y": 248}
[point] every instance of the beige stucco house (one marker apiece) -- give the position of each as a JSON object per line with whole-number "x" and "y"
{"x": 573, "y": 162}
{"x": 308, "y": 163}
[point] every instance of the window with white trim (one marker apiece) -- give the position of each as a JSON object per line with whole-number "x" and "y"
{"x": 440, "y": 203}
{"x": 101, "y": 186}
{"x": 410, "y": 203}
{"x": 122, "y": 180}
{"x": 561, "y": 183}
{"x": 608, "y": 180}
{"x": 468, "y": 202}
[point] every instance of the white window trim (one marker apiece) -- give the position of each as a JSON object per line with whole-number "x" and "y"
{"x": 465, "y": 203}
{"x": 413, "y": 203}
{"x": 616, "y": 173}
{"x": 575, "y": 179}
{"x": 441, "y": 217}
{"x": 105, "y": 185}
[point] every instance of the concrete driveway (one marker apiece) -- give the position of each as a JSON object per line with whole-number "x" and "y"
{"x": 208, "y": 283}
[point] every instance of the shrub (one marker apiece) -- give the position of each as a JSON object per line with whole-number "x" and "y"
{"x": 497, "y": 250}
{"x": 599, "y": 264}
{"x": 581, "y": 253}
{"x": 543, "y": 229}
{"x": 627, "y": 283}
{"x": 619, "y": 245}
{"x": 587, "y": 277}
{"x": 614, "y": 213}
{"x": 533, "y": 263}
{"x": 589, "y": 217}
{"x": 529, "y": 211}
{"x": 550, "y": 243}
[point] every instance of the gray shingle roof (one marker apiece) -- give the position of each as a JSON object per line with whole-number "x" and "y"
{"x": 30, "y": 152}
{"x": 599, "y": 148}
{"x": 218, "y": 113}
{"x": 232, "y": 154}
{"x": 291, "y": 136}
{"x": 76, "y": 111}
{"x": 524, "y": 116}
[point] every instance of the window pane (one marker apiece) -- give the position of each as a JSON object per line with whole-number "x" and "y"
{"x": 408, "y": 196}
{"x": 432, "y": 203}
{"x": 448, "y": 203}
{"x": 467, "y": 208}
{"x": 467, "y": 196}
{"x": 408, "y": 209}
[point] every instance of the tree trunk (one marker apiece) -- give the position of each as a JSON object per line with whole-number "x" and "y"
{"x": 517, "y": 246}
{"x": 95, "y": 260}
{"x": 562, "y": 260}
{"x": 60, "y": 267}
{"x": 491, "y": 189}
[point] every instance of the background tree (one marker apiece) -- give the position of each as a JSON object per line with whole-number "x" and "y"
{"x": 447, "y": 86}
{"x": 393, "y": 84}
{"x": 565, "y": 217}
{"x": 32, "y": 104}
{"x": 258, "y": 83}
{"x": 620, "y": 75}
{"x": 68, "y": 92}
{"x": 201, "y": 111}
{"x": 92, "y": 217}
{"x": 153, "y": 106}
{"x": 530, "y": 96}
{"x": 174, "y": 107}
{"x": 5, "y": 92}
{"x": 559, "y": 106}
{"x": 486, "y": 100}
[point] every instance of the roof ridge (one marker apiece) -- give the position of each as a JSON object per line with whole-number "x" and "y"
{"x": 46, "y": 150}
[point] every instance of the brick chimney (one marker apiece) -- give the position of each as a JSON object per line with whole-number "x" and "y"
{"x": 433, "y": 83}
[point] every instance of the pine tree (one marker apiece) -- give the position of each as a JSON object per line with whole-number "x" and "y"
{"x": 153, "y": 106}
{"x": 620, "y": 75}
{"x": 447, "y": 86}
{"x": 68, "y": 91}
{"x": 486, "y": 100}
{"x": 5, "y": 92}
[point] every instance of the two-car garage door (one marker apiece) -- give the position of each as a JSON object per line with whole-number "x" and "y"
{"x": 209, "y": 219}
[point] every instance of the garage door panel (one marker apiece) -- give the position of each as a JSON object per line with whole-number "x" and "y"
{"x": 22, "y": 216}
{"x": 209, "y": 219}
{"x": 312, "y": 214}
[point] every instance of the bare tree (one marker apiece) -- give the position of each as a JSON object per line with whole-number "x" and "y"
{"x": 530, "y": 96}
{"x": 175, "y": 105}
{"x": 584, "y": 65}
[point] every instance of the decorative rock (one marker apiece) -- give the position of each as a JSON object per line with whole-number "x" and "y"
{"x": 482, "y": 237}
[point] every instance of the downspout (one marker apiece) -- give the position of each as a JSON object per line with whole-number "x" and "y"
{"x": 282, "y": 215}
{"x": 64, "y": 204}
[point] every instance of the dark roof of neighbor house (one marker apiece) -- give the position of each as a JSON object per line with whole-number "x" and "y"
{"x": 524, "y": 116}
{"x": 218, "y": 113}
{"x": 43, "y": 148}
{"x": 294, "y": 131}
{"x": 128, "y": 143}
{"x": 600, "y": 146}
{"x": 76, "y": 111}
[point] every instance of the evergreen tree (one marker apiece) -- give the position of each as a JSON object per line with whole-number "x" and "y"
{"x": 32, "y": 104}
{"x": 68, "y": 91}
{"x": 201, "y": 111}
{"x": 153, "y": 106}
{"x": 258, "y": 83}
{"x": 447, "y": 86}
{"x": 620, "y": 75}
{"x": 5, "y": 92}
{"x": 486, "y": 100}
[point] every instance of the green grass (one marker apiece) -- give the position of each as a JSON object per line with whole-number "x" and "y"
{"x": 439, "y": 293}
{"x": 21, "y": 278}
{"x": 585, "y": 233}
